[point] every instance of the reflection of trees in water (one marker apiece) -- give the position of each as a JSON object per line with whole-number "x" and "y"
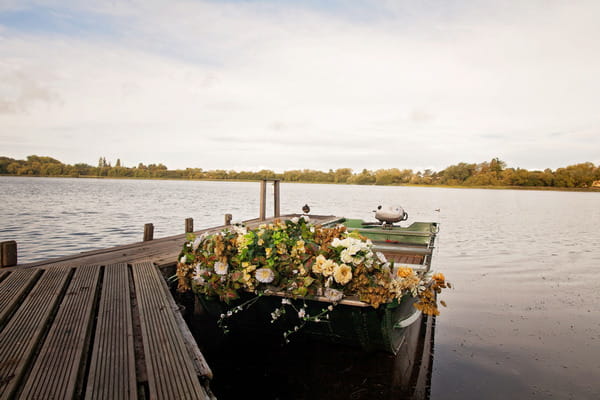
{"x": 257, "y": 366}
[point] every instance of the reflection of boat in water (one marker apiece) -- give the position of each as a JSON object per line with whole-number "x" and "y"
{"x": 254, "y": 365}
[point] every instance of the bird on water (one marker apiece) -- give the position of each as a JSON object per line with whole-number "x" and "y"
{"x": 306, "y": 209}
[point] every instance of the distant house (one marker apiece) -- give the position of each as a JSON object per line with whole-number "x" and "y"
{"x": 596, "y": 184}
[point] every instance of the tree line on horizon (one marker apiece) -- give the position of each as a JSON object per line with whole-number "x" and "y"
{"x": 487, "y": 173}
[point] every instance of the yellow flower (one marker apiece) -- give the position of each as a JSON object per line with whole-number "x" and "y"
{"x": 249, "y": 267}
{"x": 439, "y": 277}
{"x": 268, "y": 251}
{"x": 328, "y": 267}
{"x": 405, "y": 272}
{"x": 281, "y": 248}
{"x": 317, "y": 267}
{"x": 342, "y": 274}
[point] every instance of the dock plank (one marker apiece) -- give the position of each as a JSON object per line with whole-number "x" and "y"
{"x": 12, "y": 290}
{"x": 22, "y": 333}
{"x": 171, "y": 373}
{"x": 56, "y": 370}
{"x": 112, "y": 371}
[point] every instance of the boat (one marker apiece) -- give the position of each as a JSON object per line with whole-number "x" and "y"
{"x": 344, "y": 281}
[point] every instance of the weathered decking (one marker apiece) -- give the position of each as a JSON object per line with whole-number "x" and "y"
{"x": 96, "y": 332}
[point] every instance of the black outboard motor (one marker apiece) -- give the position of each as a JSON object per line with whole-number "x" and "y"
{"x": 388, "y": 214}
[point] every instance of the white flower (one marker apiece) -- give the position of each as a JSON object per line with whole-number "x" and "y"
{"x": 346, "y": 257}
{"x": 333, "y": 294}
{"x": 354, "y": 248}
{"x": 286, "y": 301}
{"x": 336, "y": 242}
{"x": 381, "y": 257}
{"x": 221, "y": 268}
{"x": 295, "y": 220}
{"x": 330, "y": 307}
{"x": 240, "y": 230}
{"x": 197, "y": 242}
{"x": 306, "y": 218}
{"x": 183, "y": 259}
{"x": 302, "y": 313}
{"x": 357, "y": 260}
{"x": 198, "y": 274}
{"x": 264, "y": 275}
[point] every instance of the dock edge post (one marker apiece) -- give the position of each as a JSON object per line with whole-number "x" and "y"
{"x": 189, "y": 225}
{"x": 8, "y": 253}
{"x": 148, "y": 232}
{"x": 263, "y": 200}
{"x": 228, "y": 218}
{"x": 276, "y": 199}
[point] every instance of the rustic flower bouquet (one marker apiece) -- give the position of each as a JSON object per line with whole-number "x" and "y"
{"x": 296, "y": 259}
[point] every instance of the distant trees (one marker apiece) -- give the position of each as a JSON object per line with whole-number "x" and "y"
{"x": 488, "y": 173}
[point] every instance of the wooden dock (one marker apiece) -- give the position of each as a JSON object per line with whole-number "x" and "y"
{"x": 96, "y": 332}
{"x": 100, "y": 325}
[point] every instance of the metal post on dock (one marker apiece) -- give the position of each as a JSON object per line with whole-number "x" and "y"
{"x": 276, "y": 198}
{"x": 228, "y": 218}
{"x": 263, "y": 200}
{"x": 8, "y": 253}
{"x": 148, "y": 232}
{"x": 189, "y": 225}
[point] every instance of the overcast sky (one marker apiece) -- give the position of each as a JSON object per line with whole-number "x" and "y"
{"x": 282, "y": 85}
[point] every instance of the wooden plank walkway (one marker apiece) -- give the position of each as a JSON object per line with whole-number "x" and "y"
{"x": 95, "y": 331}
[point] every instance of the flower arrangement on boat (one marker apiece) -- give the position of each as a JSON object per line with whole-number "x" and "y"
{"x": 300, "y": 260}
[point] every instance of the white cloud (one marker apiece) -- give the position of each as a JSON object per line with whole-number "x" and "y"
{"x": 217, "y": 85}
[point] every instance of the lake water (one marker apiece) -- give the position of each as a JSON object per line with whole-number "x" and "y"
{"x": 523, "y": 319}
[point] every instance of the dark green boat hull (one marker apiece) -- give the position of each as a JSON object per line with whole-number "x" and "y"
{"x": 366, "y": 327}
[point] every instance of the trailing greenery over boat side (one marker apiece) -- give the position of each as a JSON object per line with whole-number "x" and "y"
{"x": 494, "y": 173}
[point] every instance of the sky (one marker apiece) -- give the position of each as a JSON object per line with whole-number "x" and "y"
{"x": 282, "y": 85}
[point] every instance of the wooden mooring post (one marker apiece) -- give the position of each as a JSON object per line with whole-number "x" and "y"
{"x": 148, "y": 232}
{"x": 276, "y": 199}
{"x": 228, "y": 218}
{"x": 263, "y": 199}
{"x": 8, "y": 253}
{"x": 189, "y": 225}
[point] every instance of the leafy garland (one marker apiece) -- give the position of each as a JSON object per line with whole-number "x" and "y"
{"x": 302, "y": 261}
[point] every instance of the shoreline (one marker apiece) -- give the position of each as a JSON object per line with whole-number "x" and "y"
{"x": 532, "y": 188}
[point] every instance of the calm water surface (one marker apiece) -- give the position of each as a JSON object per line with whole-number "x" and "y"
{"x": 522, "y": 321}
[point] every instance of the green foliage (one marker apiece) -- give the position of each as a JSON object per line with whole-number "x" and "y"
{"x": 492, "y": 173}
